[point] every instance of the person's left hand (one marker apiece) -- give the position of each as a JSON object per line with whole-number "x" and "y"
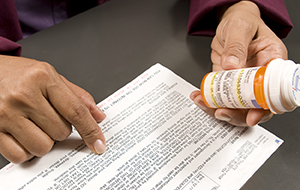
{"x": 38, "y": 106}
{"x": 242, "y": 40}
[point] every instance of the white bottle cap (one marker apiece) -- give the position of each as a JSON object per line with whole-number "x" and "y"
{"x": 272, "y": 85}
{"x": 282, "y": 86}
{"x": 286, "y": 87}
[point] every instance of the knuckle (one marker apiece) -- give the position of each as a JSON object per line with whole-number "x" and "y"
{"x": 41, "y": 71}
{"x": 62, "y": 134}
{"x": 274, "y": 46}
{"x": 21, "y": 91}
{"x": 17, "y": 155}
{"x": 237, "y": 48}
{"x": 18, "y": 158}
{"x": 215, "y": 57}
{"x": 15, "y": 99}
{"x": 86, "y": 95}
{"x": 90, "y": 132}
{"x": 243, "y": 24}
{"x": 214, "y": 43}
{"x": 43, "y": 150}
{"x": 17, "y": 96}
{"x": 77, "y": 112}
{"x": 280, "y": 51}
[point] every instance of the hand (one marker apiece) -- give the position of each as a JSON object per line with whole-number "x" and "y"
{"x": 242, "y": 40}
{"x": 38, "y": 107}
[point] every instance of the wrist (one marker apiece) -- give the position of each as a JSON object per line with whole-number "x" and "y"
{"x": 241, "y": 7}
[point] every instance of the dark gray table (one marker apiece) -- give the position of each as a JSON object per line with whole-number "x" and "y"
{"x": 106, "y": 47}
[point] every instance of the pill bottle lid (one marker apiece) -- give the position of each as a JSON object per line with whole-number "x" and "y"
{"x": 282, "y": 86}
{"x": 295, "y": 88}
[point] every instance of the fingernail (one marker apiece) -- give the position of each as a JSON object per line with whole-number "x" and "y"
{"x": 198, "y": 101}
{"x": 99, "y": 147}
{"x": 193, "y": 96}
{"x": 233, "y": 60}
{"x": 223, "y": 117}
{"x": 264, "y": 118}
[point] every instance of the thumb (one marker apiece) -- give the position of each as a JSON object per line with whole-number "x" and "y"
{"x": 235, "y": 42}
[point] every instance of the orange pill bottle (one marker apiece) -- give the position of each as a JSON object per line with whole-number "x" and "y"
{"x": 275, "y": 87}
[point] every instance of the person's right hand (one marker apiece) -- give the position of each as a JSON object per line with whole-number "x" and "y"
{"x": 38, "y": 107}
{"x": 242, "y": 40}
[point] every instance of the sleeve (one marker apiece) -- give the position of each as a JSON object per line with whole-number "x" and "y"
{"x": 203, "y": 20}
{"x": 8, "y": 47}
{"x": 10, "y": 30}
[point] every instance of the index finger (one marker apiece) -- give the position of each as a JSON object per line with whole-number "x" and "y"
{"x": 73, "y": 109}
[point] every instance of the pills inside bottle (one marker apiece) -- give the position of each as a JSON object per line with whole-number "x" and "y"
{"x": 275, "y": 87}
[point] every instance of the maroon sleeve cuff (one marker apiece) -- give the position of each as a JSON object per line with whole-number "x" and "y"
{"x": 8, "y": 47}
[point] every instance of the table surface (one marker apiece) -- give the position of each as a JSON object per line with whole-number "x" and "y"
{"x": 106, "y": 47}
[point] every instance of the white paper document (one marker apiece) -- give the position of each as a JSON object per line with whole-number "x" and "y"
{"x": 156, "y": 139}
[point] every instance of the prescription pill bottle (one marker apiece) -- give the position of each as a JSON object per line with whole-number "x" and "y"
{"x": 275, "y": 87}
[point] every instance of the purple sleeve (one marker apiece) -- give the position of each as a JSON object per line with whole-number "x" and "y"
{"x": 8, "y": 47}
{"x": 10, "y": 30}
{"x": 202, "y": 18}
